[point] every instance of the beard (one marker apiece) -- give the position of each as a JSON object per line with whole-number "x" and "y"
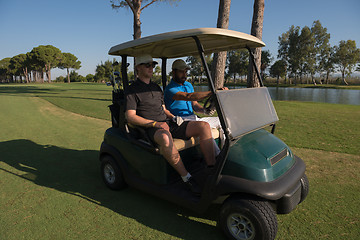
{"x": 180, "y": 80}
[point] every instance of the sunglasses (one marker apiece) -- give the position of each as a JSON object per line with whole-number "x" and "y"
{"x": 148, "y": 65}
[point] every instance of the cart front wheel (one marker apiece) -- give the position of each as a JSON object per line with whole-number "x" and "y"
{"x": 248, "y": 219}
{"x": 304, "y": 187}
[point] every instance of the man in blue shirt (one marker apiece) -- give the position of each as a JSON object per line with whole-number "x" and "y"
{"x": 181, "y": 100}
{"x": 179, "y": 95}
{"x": 178, "y": 108}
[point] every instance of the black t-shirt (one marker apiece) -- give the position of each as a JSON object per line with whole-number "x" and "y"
{"x": 147, "y": 100}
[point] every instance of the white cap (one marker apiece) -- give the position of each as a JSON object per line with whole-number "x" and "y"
{"x": 180, "y": 64}
{"x": 144, "y": 59}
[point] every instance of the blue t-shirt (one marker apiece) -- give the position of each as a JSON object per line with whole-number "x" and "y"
{"x": 178, "y": 107}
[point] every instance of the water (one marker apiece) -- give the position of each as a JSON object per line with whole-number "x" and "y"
{"x": 326, "y": 95}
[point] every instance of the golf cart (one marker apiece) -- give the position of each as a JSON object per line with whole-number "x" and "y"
{"x": 256, "y": 175}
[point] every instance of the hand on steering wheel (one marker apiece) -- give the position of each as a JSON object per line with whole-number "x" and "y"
{"x": 209, "y": 106}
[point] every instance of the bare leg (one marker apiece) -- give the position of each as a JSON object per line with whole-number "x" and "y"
{"x": 202, "y": 130}
{"x": 169, "y": 151}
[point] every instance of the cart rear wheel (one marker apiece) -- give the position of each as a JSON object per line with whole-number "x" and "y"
{"x": 112, "y": 174}
{"x": 248, "y": 219}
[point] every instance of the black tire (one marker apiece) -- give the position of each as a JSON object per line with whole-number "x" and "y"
{"x": 304, "y": 187}
{"x": 111, "y": 173}
{"x": 248, "y": 219}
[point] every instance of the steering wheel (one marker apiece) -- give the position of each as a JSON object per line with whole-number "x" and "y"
{"x": 209, "y": 104}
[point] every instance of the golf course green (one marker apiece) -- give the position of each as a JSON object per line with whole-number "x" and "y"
{"x": 51, "y": 187}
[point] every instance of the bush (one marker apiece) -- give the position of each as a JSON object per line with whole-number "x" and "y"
{"x": 90, "y": 78}
{"x": 60, "y": 79}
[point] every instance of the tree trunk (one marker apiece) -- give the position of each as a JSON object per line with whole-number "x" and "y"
{"x": 313, "y": 80}
{"x": 327, "y": 77}
{"x": 34, "y": 76}
{"x": 25, "y": 71}
{"x": 137, "y": 26}
{"x": 137, "y": 22}
{"x": 343, "y": 78}
{"x": 68, "y": 75}
{"x": 48, "y": 75}
{"x": 48, "y": 72}
{"x": 40, "y": 76}
{"x": 219, "y": 60}
{"x": 256, "y": 30}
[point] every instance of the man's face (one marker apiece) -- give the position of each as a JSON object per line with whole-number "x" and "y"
{"x": 180, "y": 76}
{"x": 145, "y": 70}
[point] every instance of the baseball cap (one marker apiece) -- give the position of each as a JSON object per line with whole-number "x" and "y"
{"x": 144, "y": 59}
{"x": 180, "y": 64}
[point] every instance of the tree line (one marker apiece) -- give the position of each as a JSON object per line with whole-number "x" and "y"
{"x": 306, "y": 52}
{"x": 32, "y": 66}
{"x": 302, "y": 53}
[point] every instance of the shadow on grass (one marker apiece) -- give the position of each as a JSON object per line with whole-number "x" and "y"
{"x": 77, "y": 172}
{"x": 27, "y": 90}
{"x": 72, "y": 97}
{"x": 51, "y": 92}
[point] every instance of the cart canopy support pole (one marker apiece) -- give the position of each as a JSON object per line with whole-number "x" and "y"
{"x": 220, "y": 159}
{"x": 163, "y": 72}
{"x": 124, "y": 72}
{"x": 255, "y": 66}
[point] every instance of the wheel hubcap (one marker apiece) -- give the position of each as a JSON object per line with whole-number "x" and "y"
{"x": 240, "y": 226}
{"x": 109, "y": 173}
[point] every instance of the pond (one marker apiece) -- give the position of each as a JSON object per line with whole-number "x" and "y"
{"x": 326, "y": 95}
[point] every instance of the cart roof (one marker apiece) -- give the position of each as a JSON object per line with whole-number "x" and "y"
{"x": 180, "y": 43}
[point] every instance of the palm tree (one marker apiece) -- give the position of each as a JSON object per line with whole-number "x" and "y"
{"x": 219, "y": 62}
{"x": 256, "y": 30}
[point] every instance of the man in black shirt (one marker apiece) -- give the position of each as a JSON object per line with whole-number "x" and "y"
{"x": 145, "y": 107}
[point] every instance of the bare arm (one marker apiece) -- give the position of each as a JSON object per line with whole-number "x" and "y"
{"x": 168, "y": 113}
{"x": 134, "y": 119}
{"x": 197, "y": 107}
{"x": 200, "y": 109}
{"x": 195, "y": 96}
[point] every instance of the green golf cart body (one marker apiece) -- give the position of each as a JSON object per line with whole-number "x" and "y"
{"x": 256, "y": 174}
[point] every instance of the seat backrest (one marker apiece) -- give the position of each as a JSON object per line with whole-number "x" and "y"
{"x": 117, "y": 109}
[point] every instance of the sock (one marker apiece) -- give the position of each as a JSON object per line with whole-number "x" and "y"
{"x": 186, "y": 177}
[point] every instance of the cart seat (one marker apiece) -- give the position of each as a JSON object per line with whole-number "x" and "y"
{"x": 180, "y": 144}
{"x": 184, "y": 144}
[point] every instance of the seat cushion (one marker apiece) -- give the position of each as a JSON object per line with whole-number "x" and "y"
{"x": 184, "y": 144}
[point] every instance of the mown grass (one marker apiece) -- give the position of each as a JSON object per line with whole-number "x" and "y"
{"x": 50, "y": 186}
{"x": 329, "y": 127}
{"x": 88, "y": 99}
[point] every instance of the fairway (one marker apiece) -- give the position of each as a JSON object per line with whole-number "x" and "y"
{"x": 50, "y": 184}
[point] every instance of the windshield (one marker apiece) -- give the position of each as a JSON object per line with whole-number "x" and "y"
{"x": 246, "y": 110}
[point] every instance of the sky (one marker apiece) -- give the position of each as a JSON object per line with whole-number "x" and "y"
{"x": 88, "y": 29}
